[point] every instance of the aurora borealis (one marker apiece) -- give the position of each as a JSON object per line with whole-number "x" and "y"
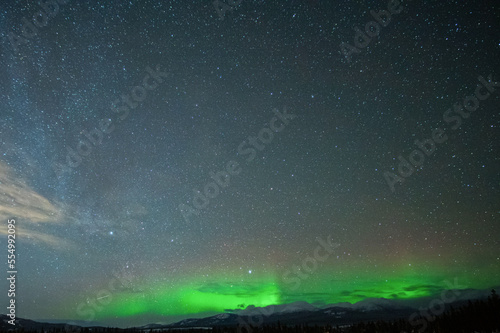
{"x": 167, "y": 160}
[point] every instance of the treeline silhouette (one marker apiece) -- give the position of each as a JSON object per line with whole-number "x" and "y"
{"x": 481, "y": 316}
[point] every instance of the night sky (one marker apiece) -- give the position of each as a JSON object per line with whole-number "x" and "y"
{"x": 167, "y": 159}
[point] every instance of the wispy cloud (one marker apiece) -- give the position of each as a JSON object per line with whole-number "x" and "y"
{"x": 19, "y": 201}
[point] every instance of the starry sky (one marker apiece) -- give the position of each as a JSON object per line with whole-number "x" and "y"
{"x": 175, "y": 159}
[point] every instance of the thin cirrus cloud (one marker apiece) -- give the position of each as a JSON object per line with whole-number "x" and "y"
{"x": 20, "y": 202}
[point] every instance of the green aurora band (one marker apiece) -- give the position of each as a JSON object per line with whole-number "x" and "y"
{"x": 223, "y": 293}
